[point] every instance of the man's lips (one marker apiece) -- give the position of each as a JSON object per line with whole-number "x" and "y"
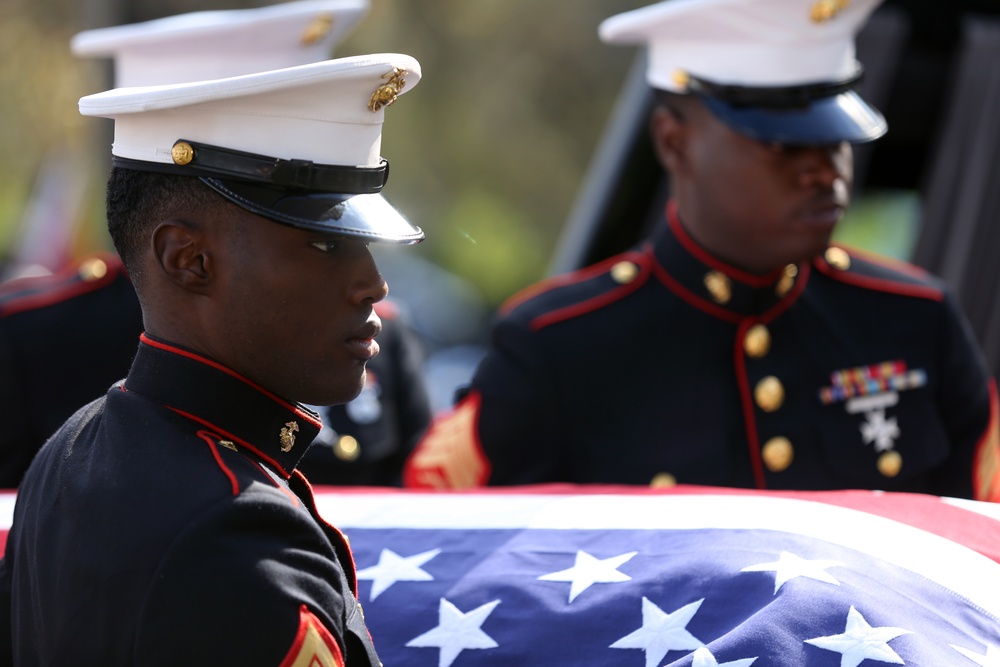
{"x": 362, "y": 342}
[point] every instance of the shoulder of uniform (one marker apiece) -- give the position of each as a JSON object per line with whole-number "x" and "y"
{"x": 570, "y": 295}
{"x": 82, "y": 277}
{"x": 874, "y": 272}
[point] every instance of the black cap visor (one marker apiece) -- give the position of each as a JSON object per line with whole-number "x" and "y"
{"x": 828, "y": 120}
{"x": 366, "y": 216}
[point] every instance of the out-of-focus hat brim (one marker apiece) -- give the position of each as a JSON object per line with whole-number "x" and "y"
{"x": 842, "y": 117}
{"x": 366, "y": 216}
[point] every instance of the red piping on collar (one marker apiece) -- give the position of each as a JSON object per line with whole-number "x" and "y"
{"x": 703, "y": 255}
{"x": 689, "y": 296}
{"x": 788, "y": 299}
{"x": 219, "y": 367}
{"x": 229, "y": 436}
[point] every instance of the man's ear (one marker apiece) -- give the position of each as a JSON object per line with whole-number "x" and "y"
{"x": 181, "y": 251}
{"x": 669, "y": 132}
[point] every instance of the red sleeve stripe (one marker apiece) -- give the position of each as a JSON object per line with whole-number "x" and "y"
{"x": 211, "y": 439}
{"x": 599, "y": 301}
{"x": 228, "y": 371}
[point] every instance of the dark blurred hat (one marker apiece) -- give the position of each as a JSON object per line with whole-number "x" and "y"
{"x": 774, "y": 70}
{"x": 224, "y": 43}
{"x": 299, "y": 145}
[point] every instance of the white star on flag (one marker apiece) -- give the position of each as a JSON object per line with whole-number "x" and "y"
{"x": 587, "y": 571}
{"x": 392, "y": 567}
{"x": 883, "y": 432}
{"x": 456, "y": 631}
{"x": 662, "y": 632}
{"x": 704, "y": 658}
{"x": 789, "y": 566}
{"x": 860, "y": 641}
{"x": 991, "y": 659}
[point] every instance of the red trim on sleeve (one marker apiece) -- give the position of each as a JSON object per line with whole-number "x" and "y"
{"x": 706, "y": 258}
{"x": 878, "y": 284}
{"x": 314, "y": 645}
{"x": 219, "y": 367}
{"x": 601, "y": 300}
{"x": 749, "y": 422}
{"x": 211, "y": 439}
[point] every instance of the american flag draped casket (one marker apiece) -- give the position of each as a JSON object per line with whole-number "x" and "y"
{"x": 562, "y": 575}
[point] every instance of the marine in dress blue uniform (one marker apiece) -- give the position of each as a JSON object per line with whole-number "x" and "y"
{"x": 165, "y": 523}
{"x": 733, "y": 348}
{"x": 46, "y": 375}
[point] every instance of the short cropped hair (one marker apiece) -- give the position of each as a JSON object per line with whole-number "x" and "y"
{"x": 678, "y": 104}
{"x": 138, "y": 200}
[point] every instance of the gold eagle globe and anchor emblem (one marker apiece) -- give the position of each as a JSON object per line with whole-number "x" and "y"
{"x": 287, "y": 436}
{"x": 386, "y": 94}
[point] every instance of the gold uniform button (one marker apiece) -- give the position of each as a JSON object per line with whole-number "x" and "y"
{"x": 837, "y": 258}
{"x": 769, "y": 394}
{"x": 624, "y": 272}
{"x": 890, "y": 463}
{"x": 663, "y": 480}
{"x": 347, "y": 448}
{"x": 757, "y": 341}
{"x": 778, "y": 453}
{"x": 787, "y": 280}
{"x": 719, "y": 286}
{"x": 93, "y": 269}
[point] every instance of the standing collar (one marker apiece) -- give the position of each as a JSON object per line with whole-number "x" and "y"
{"x": 714, "y": 286}
{"x": 242, "y": 414}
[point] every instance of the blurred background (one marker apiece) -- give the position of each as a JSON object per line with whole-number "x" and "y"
{"x": 502, "y": 152}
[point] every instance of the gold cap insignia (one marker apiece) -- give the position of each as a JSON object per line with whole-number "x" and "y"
{"x": 317, "y": 29}
{"x": 182, "y": 153}
{"x": 825, "y": 10}
{"x": 681, "y": 78}
{"x": 386, "y": 94}
{"x": 287, "y": 436}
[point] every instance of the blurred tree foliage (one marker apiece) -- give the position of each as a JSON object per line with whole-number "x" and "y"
{"x": 487, "y": 152}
